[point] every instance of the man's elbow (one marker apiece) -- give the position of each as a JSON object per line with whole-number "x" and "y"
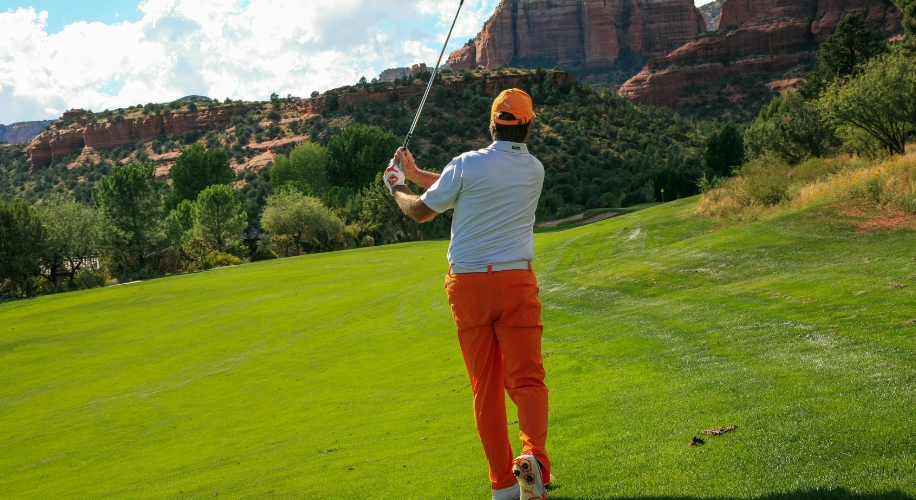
{"x": 421, "y": 213}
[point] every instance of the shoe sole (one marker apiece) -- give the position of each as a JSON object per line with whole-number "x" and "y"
{"x": 528, "y": 472}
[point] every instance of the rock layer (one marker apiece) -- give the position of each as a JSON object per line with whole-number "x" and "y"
{"x": 765, "y": 41}
{"x": 72, "y": 133}
{"x": 579, "y": 34}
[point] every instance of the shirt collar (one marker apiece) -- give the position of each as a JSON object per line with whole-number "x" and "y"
{"x": 509, "y": 147}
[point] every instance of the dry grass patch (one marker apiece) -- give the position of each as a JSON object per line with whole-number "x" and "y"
{"x": 766, "y": 187}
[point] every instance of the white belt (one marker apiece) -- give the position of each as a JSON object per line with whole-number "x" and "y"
{"x": 518, "y": 265}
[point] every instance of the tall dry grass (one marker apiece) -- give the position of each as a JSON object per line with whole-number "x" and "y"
{"x": 766, "y": 187}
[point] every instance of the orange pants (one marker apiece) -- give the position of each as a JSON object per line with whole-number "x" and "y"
{"x": 498, "y": 316}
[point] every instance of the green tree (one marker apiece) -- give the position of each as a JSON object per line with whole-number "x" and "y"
{"x": 304, "y": 219}
{"x": 358, "y": 154}
{"x": 842, "y": 55}
{"x": 724, "y": 151}
{"x": 908, "y": 7}
{"x": 382, "y": 219}
{"x": 180, "y": 222}
{"x": 131, "y": 206}
{"x": 306, "y": 169}
{"x": 219, "y": 218}
{"x": 73, "y": 235}
{"x": 196, "y": 169}
{"x": 881, "y": 101}
{"x": 792, "y": 129}
{"x": 22, "y": 244}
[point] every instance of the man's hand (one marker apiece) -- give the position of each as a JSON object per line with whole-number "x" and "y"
{"x": 421, "y": 178}
{"x": 394, "y": 175}
{"x": 405, "y": 158}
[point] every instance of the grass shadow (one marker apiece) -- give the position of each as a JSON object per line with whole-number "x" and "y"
{"x": 826, "y": 494}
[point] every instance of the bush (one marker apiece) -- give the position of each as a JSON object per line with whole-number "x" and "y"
{"x": 87, "y": 278}
{"x": 264, "y": 254}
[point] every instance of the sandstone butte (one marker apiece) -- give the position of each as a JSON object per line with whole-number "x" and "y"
{"x": 579, "y": 35}
{"x": 773, "y": 41}
{"x": 74, "y": 134}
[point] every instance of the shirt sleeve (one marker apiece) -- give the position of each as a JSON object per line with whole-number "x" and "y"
{"x": 442, "y": 195}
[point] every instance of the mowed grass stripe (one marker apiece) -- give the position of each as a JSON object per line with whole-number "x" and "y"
{"x": 312, "y": 377}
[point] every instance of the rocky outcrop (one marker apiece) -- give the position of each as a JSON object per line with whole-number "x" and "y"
{"x": 16, "y": 133}
{"x": 767, "y": 41}
{"x": 488, "y": 85}
{"x": 73, "y": 132}
{"x": 579, "y": 35}
{"x": 712, "y": 13}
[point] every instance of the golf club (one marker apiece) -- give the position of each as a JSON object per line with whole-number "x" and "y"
{"x": 432, "y": 78}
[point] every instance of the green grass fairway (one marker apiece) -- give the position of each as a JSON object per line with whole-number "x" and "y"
{"x": 338, "y": 376}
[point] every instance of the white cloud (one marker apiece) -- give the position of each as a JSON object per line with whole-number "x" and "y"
{"x": 240, "y": 49}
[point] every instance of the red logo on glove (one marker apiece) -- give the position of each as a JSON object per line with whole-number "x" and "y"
{"x": 394, "y": 179}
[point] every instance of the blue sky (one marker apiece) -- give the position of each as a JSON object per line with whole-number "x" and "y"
{"x": 62, "y": 13}
{"x": 106, "y": 54}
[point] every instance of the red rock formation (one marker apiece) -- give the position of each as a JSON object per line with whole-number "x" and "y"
{"x": 488, "y": 85}
{"x": 16, "y": 133}
{"x": 770, "y": 40}
{"x": 61, "y": 142}
{"x": 579, "y": 34}
{"x": 712, "y": 12}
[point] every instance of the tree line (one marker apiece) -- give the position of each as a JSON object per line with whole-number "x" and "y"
{"x": 859, "y": 99}
{"x": 138, "y": 227}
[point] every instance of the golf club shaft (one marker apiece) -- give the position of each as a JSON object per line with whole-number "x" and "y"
{"x": 431, "y": 79}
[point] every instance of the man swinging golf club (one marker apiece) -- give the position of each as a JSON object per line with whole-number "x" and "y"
{"x": 491, "y": 287}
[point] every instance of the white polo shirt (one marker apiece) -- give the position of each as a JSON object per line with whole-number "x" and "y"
{"x": 495, "y": 193}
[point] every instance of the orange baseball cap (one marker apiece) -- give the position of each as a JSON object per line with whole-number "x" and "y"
{"x": 513, "y": 101}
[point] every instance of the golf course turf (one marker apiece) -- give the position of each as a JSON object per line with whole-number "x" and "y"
{"x": 338, "y": 376}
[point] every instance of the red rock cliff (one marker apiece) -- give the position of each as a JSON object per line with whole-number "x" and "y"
{"x": 765, "y": 41}
{"x": 61, "y": 142}
{"x": 579, "y": 34}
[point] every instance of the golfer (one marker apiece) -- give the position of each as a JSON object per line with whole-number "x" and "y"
{"x": 491, "y": 287}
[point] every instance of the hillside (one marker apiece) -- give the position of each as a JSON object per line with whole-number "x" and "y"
{"x": 299, "y": 378}
{"x": 16, "y": 133}
{"x": 599, "y": 149}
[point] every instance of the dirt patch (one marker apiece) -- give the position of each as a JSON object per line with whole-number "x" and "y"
{"x": 897, "y": 221}
{"x": 599, "y": 217}
{"x": 719, "y": 431}
{"x": 580, "y": 219}
{"x": 911, "y": 322}
{"x": 854, "y": 212}
{"x": 696, "y": 440}
{"x": 555, "y": 223}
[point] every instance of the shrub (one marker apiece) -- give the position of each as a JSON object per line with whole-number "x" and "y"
{"x": 264, "y": 254}
{"x": 87, "y": 278}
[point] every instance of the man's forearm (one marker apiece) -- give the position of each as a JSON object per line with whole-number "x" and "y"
{"x": 423, "y": 178}
{"x": 412, "y": 205}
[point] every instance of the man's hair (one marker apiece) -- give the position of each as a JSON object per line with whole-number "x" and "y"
{"x": 511, "y": 133}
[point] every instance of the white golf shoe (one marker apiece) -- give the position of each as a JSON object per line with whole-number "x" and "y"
{"x": 528, "y": 472}
{"x": 510, "y": 493}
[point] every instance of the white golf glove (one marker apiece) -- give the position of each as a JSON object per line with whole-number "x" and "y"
{"x": 394, "y": 175}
